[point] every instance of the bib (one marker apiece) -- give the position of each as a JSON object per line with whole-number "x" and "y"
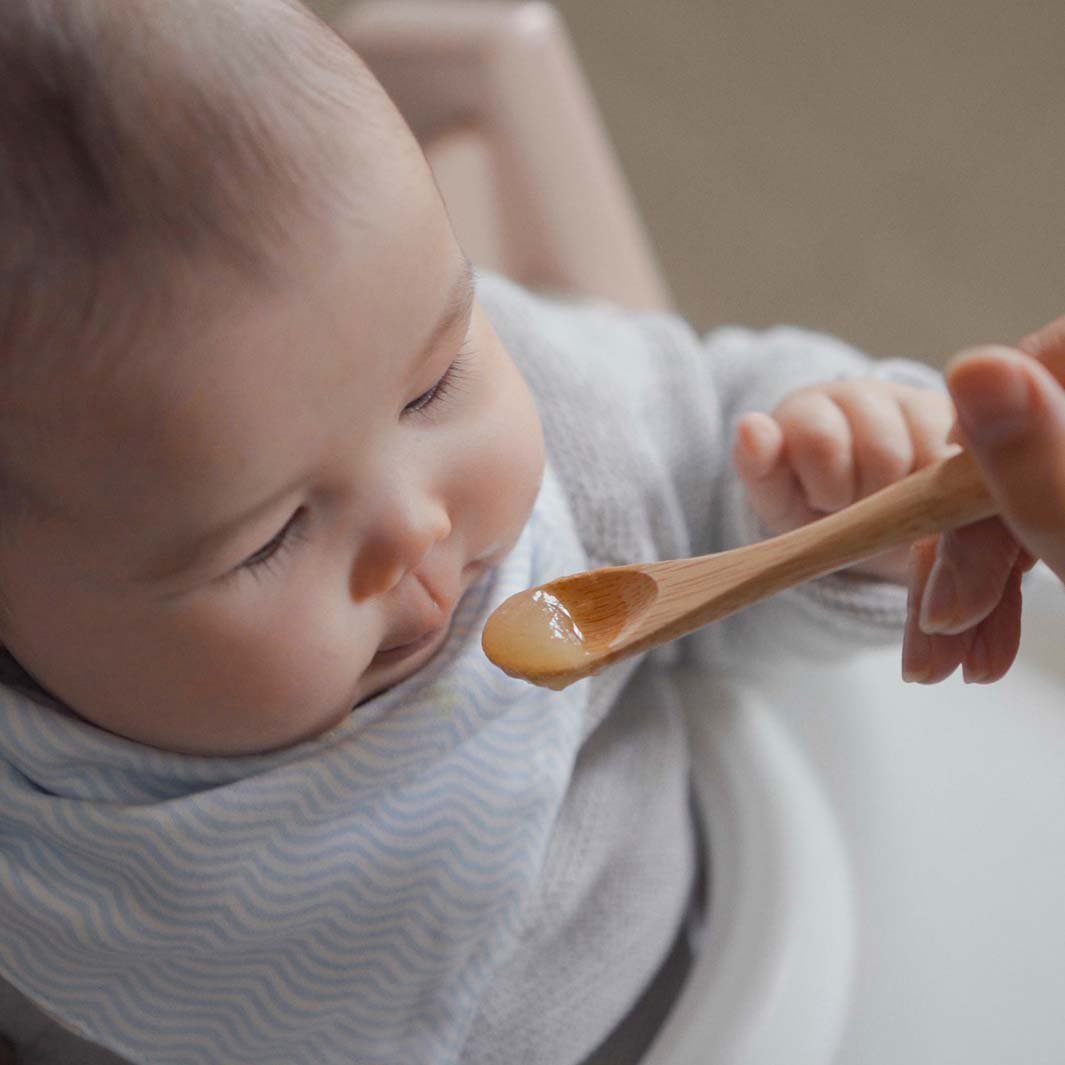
{"x": 342, "y": 901}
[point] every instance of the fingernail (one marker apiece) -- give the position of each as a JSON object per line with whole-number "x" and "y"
{"x": 940, "y": 601}
{"x": 916, "y": 655}
{"x": 993, "y": 398}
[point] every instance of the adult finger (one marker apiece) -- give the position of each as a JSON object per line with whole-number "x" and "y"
{"x": 985, "y": 652}
{"x": 968, "y": 578}
{"x": 927, "y": 659}
{"x": 1012, "y": 416}
{"x": 996, "y": 640}
{"x": 1048, "y": 346}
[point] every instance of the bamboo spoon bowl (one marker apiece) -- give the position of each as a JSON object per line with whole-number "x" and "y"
{"x": 575, "y": 626}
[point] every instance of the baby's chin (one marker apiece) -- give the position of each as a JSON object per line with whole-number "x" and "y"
{"x": 378, "y": 678}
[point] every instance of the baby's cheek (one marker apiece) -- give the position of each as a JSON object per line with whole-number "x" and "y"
{"x": 506, "y": 476}
{"x": 498, "y": 471}
{"x": 281, "y": 674}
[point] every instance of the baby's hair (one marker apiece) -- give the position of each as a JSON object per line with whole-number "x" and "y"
{"x": 142, "y": 141}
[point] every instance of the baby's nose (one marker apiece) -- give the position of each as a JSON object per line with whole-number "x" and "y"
{"x": 398, "y": 543}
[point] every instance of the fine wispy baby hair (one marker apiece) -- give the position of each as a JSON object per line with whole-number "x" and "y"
{"x": 111, "y": 206}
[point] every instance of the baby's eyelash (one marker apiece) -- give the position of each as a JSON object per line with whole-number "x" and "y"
{"x": 454, "y": 374}
{"x": 272, "y": 551}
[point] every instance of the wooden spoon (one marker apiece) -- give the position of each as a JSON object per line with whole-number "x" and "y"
{"x": 572, "y": 627}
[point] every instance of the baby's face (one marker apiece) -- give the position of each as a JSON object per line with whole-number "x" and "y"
{"x": 270, "y": 525}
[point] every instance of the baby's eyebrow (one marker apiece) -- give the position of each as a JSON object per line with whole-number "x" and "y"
{"x": 456, "y": 309}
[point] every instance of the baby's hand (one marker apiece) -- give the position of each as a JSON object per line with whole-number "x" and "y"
{"x": 828, "y": 445}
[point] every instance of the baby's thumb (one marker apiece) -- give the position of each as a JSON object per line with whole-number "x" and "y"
{"x": 1012, "y": 414}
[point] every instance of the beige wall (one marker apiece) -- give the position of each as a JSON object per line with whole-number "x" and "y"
{"x": 890, "y": 172}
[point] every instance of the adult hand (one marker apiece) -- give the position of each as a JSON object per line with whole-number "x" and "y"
{"x": 965, "y": 593}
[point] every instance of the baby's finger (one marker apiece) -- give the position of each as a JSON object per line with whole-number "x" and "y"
{"x": 758, "y": 447}
{"x": 930, "y": 417}
{"x": 969, "y": 576}
{"x": 817, "y": 443}
{"x": 883, "y": 450}
{"x": 772, "y": 488}
{"x": 927, "y": 659}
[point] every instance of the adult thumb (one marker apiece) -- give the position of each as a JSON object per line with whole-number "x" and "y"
{"x": 1012, "y": 416}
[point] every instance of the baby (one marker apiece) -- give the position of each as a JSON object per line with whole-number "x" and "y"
{"x": 270, "y": 454}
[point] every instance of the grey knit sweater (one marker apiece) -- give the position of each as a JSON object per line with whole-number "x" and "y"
{"x": 638, "y": 414}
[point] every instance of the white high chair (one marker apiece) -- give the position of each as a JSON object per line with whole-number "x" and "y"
{"x": 887, "y": 862}
{"x": 494, "y": 94}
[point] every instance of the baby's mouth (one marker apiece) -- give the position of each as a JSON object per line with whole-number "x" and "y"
{"x": 399, "y": 651}
{"x": 400, "y": 657}
{"x": 403, "y": 646}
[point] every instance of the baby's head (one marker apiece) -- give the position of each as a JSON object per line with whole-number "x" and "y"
{"x": 256, "y": 435}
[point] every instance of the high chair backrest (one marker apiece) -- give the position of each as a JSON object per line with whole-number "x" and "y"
{"x": 495, "y": 95}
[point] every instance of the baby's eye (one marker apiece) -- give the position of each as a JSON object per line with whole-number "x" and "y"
{"x": 425, "y": 398}
{"x": 443, "y": 387}
{"x": 271, "y": 550}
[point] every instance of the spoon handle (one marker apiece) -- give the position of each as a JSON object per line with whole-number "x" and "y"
{"x": 945, "y": 495}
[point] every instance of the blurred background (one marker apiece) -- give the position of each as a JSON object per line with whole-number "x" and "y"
{"x": 890, "y": 173}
